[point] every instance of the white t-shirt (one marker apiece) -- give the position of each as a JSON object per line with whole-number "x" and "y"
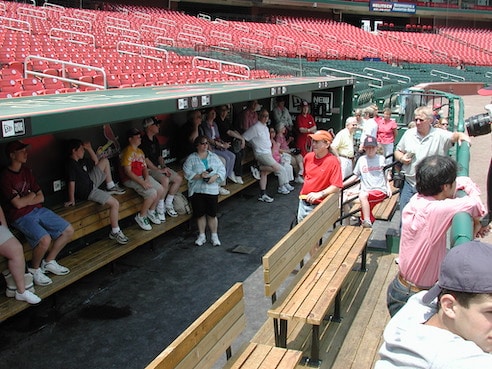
{"x": 370, "y": 172}
{"x": 408, "y": 343}
{"x": 259, "y": 136}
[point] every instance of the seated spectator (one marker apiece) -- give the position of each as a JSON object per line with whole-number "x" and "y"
{"x": 281, "y": 157}
{"x": 24, "y": 210}
{"x": 449, "y": 325}
{"x": 374, "y": 186}
{"x": 219, "y": 147}
{"x": 12, "y": 250}
{"x": 84, "y": 176}
{"x": 305, "y": 125}
{"x": 248, "y": 116}
{"x": 204, "y": 172}
{"x": 281, "y": 115}
{"x": 188, "y": 132}
{"x": 168, "y": 178}
{"x": 295, "y": 156}
{"x": 343, "y": 145}
{"x": 235, "y": 140}
{"x": 135, "y": 175}
{"x": 259, "y": 137}
{"x": 425, "y": 221}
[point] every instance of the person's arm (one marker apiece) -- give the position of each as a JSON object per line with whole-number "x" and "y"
{"x": 141, "y": 181}
{"x": 460, "y": 137}
{"x": 71, "y": 194}
{"x": 3, "y": 220}
{"x": 88, "y": 147}
{"x": 31, "y": 198}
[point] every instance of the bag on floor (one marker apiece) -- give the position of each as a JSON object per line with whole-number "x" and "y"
{"x": 181, "y": 204}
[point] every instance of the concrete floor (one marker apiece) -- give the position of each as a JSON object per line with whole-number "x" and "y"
{"x": 123, "y": 315}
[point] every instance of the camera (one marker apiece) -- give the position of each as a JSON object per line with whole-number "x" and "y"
{"x": 210, "y": 170}
{"x": 478, "y": 125}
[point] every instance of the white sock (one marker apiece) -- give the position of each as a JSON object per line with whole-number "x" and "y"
{"x": 169, "y": 200}
{"x": 115, "y": 230}
{"x": 110, "y": 185}
{"x": 160, "y": 205}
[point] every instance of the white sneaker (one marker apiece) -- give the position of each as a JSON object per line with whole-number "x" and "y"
{"x": 171, "y": 212}
{"x": 215, "y": 239}
{"x": 239, "y": 180}
{"x": 265, "y": 198}
{"x": 232, "y": 177}
{"x": 283, "y": 190}
{"x": 143, "y": 222}
{"x": 289, "y": 186}
{"x": 223, "y": 191}
{"x": 119, "y": 237}
{"x": 299, "y": 179}
{"x": 161, "y": 215}
{"x": 153, "y": 217}
{"x": 28, "y": 297}
{"x": 201, "y": 240}
{"x": 255, "y": 172}
{"x": 53, "y": 267}
{"x": 40, "y": 278}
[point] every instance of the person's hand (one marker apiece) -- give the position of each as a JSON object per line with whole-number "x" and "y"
{"x": 406, "y": 159}
{"x": 146, "y": 184}
{"x": 463, "y": 137}
{"x": 213, "y": 178}
{"x": 166, "y": 172}
{"x": 87, "y": 145}
{"x": 479, "y": 230}
{"x": 313, "y": 196}
{"x": 69, "y": 203}
{"x": 226, "y": 145}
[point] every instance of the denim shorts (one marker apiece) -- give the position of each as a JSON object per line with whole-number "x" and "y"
{"x": 39, "y": 223}
{"x": 304, "y": 209}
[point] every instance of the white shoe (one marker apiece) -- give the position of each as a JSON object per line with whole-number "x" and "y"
{"x": 282, "y": 190}
{"x": 201, "y": 240}
{"x": 255, "y": 172}
{"x": 161, "y": 215}
{"x": 289, "y": 187}
{"x": 223, "y": 191}
{"x": 143, "y": 222}
{"x": 239, "y": 180}
{"x": 53, "y": 267}
{"x": 28, "y": 297}
{"x": 171, "y": 212}
{"x": 233, "y": 178}
{"x": 39, "y": 277}
{"x": 299, "y": 179}
{"x": 153, "y": 217}
{"x": 215, "y": 239}
{"x": 265, "y": 198}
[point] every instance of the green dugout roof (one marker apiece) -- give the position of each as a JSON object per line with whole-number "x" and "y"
{"x": 38, "y": 115}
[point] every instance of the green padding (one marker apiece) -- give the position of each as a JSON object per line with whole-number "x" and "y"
{"x": 461, "y": 229}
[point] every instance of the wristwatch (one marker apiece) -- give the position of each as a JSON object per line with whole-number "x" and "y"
{"x": 485, "y": 221}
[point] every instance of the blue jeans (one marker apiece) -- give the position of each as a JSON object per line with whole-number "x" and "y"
{"x": 397, "y": 296}
{"x": 406, "y": 194}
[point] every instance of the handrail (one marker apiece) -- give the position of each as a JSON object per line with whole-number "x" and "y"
{"x": 57, "y": 34}
{"x": 191, "y": 37}
{"x": 83, "y": 14}
{"x": 285, "y": 39}
{"x": 249, "y": 43}
{"x": 143, "y": 16}
{"x": 3, "y": 7}
{"x": 385, "y": 73}
{"x": 12, "y": 21}
{"x": 204, "y": 17}
{"x": 380, "y": 85}
{"x": 152, "y": 29}
{"x": 162, "y": 38}
{"x": 117, "y": 21}
{"x": 167, "y": 22}
{"x": 221, "y": 64}
{"x": 221, "y": 35}
{"x": 488, "y": 74}
{"x": 30, "y": 12}
{"x": 190, "y": 28}
{"x": 446, "y": 75}
{"x": 141, "y": 48}
{"x": 221, "y": 21}
{"x": 74, "y": 22}
{"x": 64, "y": 77}
{"x": 53, "y": 6}
{"x": 309, "y": 46}
{"x": 123, "y": 32}
{"x": 262, "y": 33}
{"x": 241, "y": 27}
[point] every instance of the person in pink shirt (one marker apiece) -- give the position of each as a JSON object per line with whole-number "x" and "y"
{"x": 387, "y": 130}
{"x": 248, "y": 116}
{"x": 305, "y": 125}
{"x": 425, "y": 221}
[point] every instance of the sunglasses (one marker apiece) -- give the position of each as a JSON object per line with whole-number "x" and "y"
{"x": 204, "y": 143}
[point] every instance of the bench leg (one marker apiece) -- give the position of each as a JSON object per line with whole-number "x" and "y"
{"x": 280, "y": 332}
{"x": 363, "y": 262}
{"x": 338, "y": 302}
{"x": 313, "y": 361}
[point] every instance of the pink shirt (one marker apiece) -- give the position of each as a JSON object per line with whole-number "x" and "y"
{"x": 425, "y": 221}
{"x": 385, "y": 131}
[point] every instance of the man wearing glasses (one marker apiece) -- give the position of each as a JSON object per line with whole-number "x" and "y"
{"x": 420, "y": 142}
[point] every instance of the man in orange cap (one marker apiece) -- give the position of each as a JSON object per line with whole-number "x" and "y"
{"x": 322, "y": 174}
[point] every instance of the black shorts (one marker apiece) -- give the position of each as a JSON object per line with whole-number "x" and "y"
{"x": 204, "y": 204}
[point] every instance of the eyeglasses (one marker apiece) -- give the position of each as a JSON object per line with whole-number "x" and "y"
{"x": 204, "y": 143}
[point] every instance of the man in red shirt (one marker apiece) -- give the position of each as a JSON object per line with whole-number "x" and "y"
{"x": 322, "y": 174}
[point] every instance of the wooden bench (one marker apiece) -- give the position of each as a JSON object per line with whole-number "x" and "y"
{"x": 317, "y": 286}
{"x": 382, "y": 211}
{"x": 213, "y": 333}
{"x": 87, "y": 218}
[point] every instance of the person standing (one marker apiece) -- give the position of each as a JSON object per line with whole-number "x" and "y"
{"x": 168, "y": 178}
{"x": 24, "y": 210}
{"x": 84, "y": 177}
{"x": 419, "y": 142}
{"x": 369, "y": 126}
{"x": 248, "y": 116}
{"x": 305, "y": 124}
{"x": 343, "y": 145}
{"x": 281, "y": 115}
{"x": 387, "y": 131}
{"x": 204, "y": 172}
{"x": 135, "y": 175}
{"x": 425, "y": 221}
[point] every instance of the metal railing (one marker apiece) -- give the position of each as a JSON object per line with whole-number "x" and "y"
{"x": 351, "y": 74}
{"x": 220, "y": 63}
